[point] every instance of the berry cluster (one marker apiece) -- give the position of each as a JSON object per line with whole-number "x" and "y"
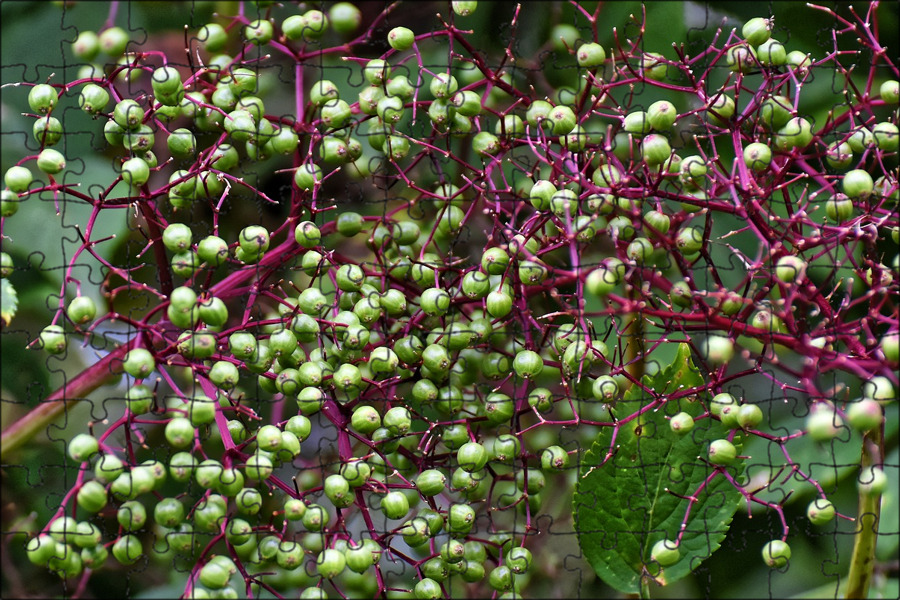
{"x": 382, "y": 380}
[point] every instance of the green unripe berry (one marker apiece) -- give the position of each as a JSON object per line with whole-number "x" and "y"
{"x": 307, "y": 176}
{"x": 823, "y": 424}
{"x": 757, "y": 30}
{"x": 722, "y": 452}
{"x": 518, "y": 559}
{"x": 397, "y": 420}
{"x": 528, "y": 364}
{"x": 720, "y": 401}
{"x": 872, "y": 481}
{"x": 890, "y": 91}
{"x": 82, "y": 447}
{"x": 113, "y": 41}
{"x": 258, "y": 467}
{"x": 655, "y": 149}
{"x": 554, "y": 458}
{"x": 92, "y": 496}
{"x": 395, "y": 505}
{"x": 741, "y": 58}
{"x": 798, "y": 60}
{"x": 307, "y": 234}
{"x": 865, "y": 414}
{"x": 128, "y": 549}
{"x": 879, "y": 388}
{"x": 820, "y": 511}
{"x": 42, "y": 98}
{"x": 86, "y": 46}
{"x": 839, "y": 208}
{"x": 653, "y": 66}
{"x": 501, "y": 578}
{"x": 771, "y": 53}
{"x": 665, "y": 552}
{"x": 721, "y": 108}
{"x": 757, "y": 156}
{"x": 485, "y": 143}
{"x": 499, "y": 304}
{"x": 431, "y": 482}
{"x": 563, "y": 37}
{"x": 51, "y": 161}
{"x": 259, "y": 32}
{"x": 81, "y": 310}
{"x": 887, "y": 136}
{"x": 471, "y": 456}
{"x": 857, "y": 184}
{"x": 661, "y": 115}
{"x": 890, "y": 346}
{"x": 776, "y": 554}
{"x": 749, "y": 416}
{"x": 601, "y": 281}
{"x": 345, "y": 18}
{"x": 41, "y": 549}
{"x": 128, "y": 114}
{"x": 689, "y": 240}
{"x": 435, "y": 302}
{"x": 562, "y": 120}
{"x": 464, "y": 8}
{"x": 790, "y": 268}
{"x": 796, "y": 133}
{"x": 590, "y": 55}
{"x": 682, "y": 423}
{"x": 401, "y": 38}
{"x": 377, "y": 71}
{"x": 839, "y": 155}
{"x": 861, "y": 139}
{"x": 427, "y": 588}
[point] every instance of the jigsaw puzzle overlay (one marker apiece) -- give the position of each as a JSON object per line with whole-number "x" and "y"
{"x": 449, "y": 299}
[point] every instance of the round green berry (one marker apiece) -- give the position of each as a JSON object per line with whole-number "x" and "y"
{"x": 128, "y": 549}
{"x": 307, "y": 234}
{"x": 431, "y": 482}
{"x": 82, "y": 447}
{"x": 820, "y": 511}
{"x": 890, "y": 91}
{"x": 590, "y": 55}
{"x": 92, "y": 496}
{"x": 776, "y": 554}
{"x": 823, "y": 424}
{"x": 395, "y": 505}
{"x": 471, "y": 456}
{"x": 401, "y": 38}
{"x": 757, "y": 156}
{"x": 757, "y": 30}
{"x": 330, "y": 563}
{"x": 682, "y": 423}
{"x": 790, "y": 268}
{"x": 872, "y": 481}
{"x": 857, "y": 184}
{"x": 51, "y": 161}
{"x": 345, "y": 18}
{"x": 665, "y": 552}
{"x": 81, "y": 310}
{"x": 554, "y": 458}
{"x": 722, "y": 452}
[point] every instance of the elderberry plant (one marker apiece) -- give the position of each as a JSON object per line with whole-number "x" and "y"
{"x": 393, "y": 307}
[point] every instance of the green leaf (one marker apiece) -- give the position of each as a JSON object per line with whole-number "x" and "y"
{"x": 623, "y": 506}
{"x": 9, "y": 301}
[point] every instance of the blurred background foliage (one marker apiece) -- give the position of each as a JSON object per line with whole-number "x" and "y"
{"x": 36, "y": 38}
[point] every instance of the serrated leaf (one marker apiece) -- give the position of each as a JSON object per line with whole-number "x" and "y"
{"x": 9, "y": 301}
{"x": 639, "y": 496}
